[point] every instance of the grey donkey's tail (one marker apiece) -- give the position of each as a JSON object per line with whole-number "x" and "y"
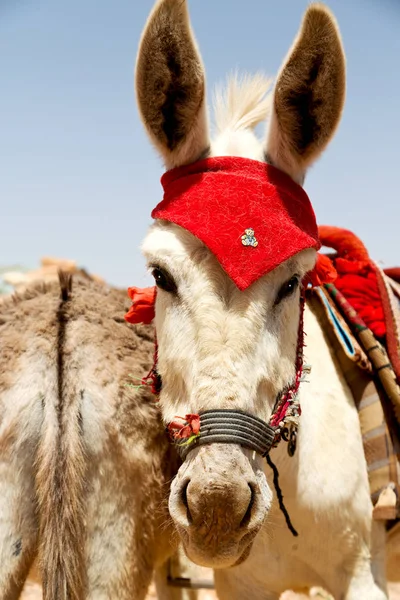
{"x": 60, "y": 472}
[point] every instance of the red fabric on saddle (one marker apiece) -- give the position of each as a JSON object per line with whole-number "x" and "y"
{"x": 323, "y": 272}
{"x": 363, "y": 285}
{"x": 357, "y": 276}
{"x": 218, "y": 199}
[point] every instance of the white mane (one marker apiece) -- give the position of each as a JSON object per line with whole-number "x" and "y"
{"x": 238, "y": 108}
{"x": 243, "y": 103}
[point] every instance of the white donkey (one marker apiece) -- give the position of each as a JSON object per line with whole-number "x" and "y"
{"x": 224, "y": 348}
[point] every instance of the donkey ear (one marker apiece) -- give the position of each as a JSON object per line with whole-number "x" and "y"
{"x": 170, "y": 85}
{"x": 309, "y": 95}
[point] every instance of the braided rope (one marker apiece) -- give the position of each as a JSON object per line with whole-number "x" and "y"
{"x": 230, "y": 427}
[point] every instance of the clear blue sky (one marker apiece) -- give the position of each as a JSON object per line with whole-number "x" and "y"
{"x": 77, "y": 176}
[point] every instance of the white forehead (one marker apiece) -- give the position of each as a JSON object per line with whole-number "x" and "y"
{"x": 168, "y": 245}
{"x": 167, "y": 239}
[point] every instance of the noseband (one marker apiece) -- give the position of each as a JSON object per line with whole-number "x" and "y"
{"x": 231, "y": 427}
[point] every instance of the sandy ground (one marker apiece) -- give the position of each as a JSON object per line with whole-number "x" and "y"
{"x": 32, "y": 591}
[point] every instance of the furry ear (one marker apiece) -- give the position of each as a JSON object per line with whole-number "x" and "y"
{"x": 309, "y": 95}
{"x": 170, "y": 85}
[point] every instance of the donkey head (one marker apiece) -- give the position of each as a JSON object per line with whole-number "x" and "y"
{"x": 222, "y": 345}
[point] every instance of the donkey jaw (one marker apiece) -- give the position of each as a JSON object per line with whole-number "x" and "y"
{"x": 224, "y": 557}
{"x": 218, "y": 503}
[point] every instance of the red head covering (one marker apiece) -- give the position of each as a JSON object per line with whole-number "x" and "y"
{"x": 249, "y": 214}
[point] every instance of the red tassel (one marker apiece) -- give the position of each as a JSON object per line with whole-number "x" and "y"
{"x": 143, "y": 303}
{"x": 185, "y": 427}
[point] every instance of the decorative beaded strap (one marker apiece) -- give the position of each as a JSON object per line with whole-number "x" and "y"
{"x": 230, "y": 427}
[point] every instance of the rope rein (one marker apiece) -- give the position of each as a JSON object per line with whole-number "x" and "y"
{"x": 280, "y": 496}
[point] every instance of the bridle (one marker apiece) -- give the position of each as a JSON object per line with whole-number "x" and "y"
{"x": 231, "y": 426}
{"x": 238, "y": 427}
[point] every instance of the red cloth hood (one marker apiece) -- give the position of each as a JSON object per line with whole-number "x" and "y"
{"x": 218, "y": 199}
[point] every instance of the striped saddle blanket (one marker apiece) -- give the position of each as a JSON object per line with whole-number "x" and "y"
{"x": 371, "y": 376}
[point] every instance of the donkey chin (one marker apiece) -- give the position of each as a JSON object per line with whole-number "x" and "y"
{"x": 218, "y": 502}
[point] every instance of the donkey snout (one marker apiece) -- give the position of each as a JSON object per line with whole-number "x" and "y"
{"x": 211, "y": 502}
{"x": 217, "y": 504}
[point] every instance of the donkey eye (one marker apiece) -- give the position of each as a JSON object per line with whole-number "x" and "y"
{"x": 288, "y": 288}
{"x": 163, "y": 280}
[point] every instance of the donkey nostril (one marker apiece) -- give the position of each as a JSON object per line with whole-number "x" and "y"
{"x": 246, "y": 519}
{"x": 185, "y": 500}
